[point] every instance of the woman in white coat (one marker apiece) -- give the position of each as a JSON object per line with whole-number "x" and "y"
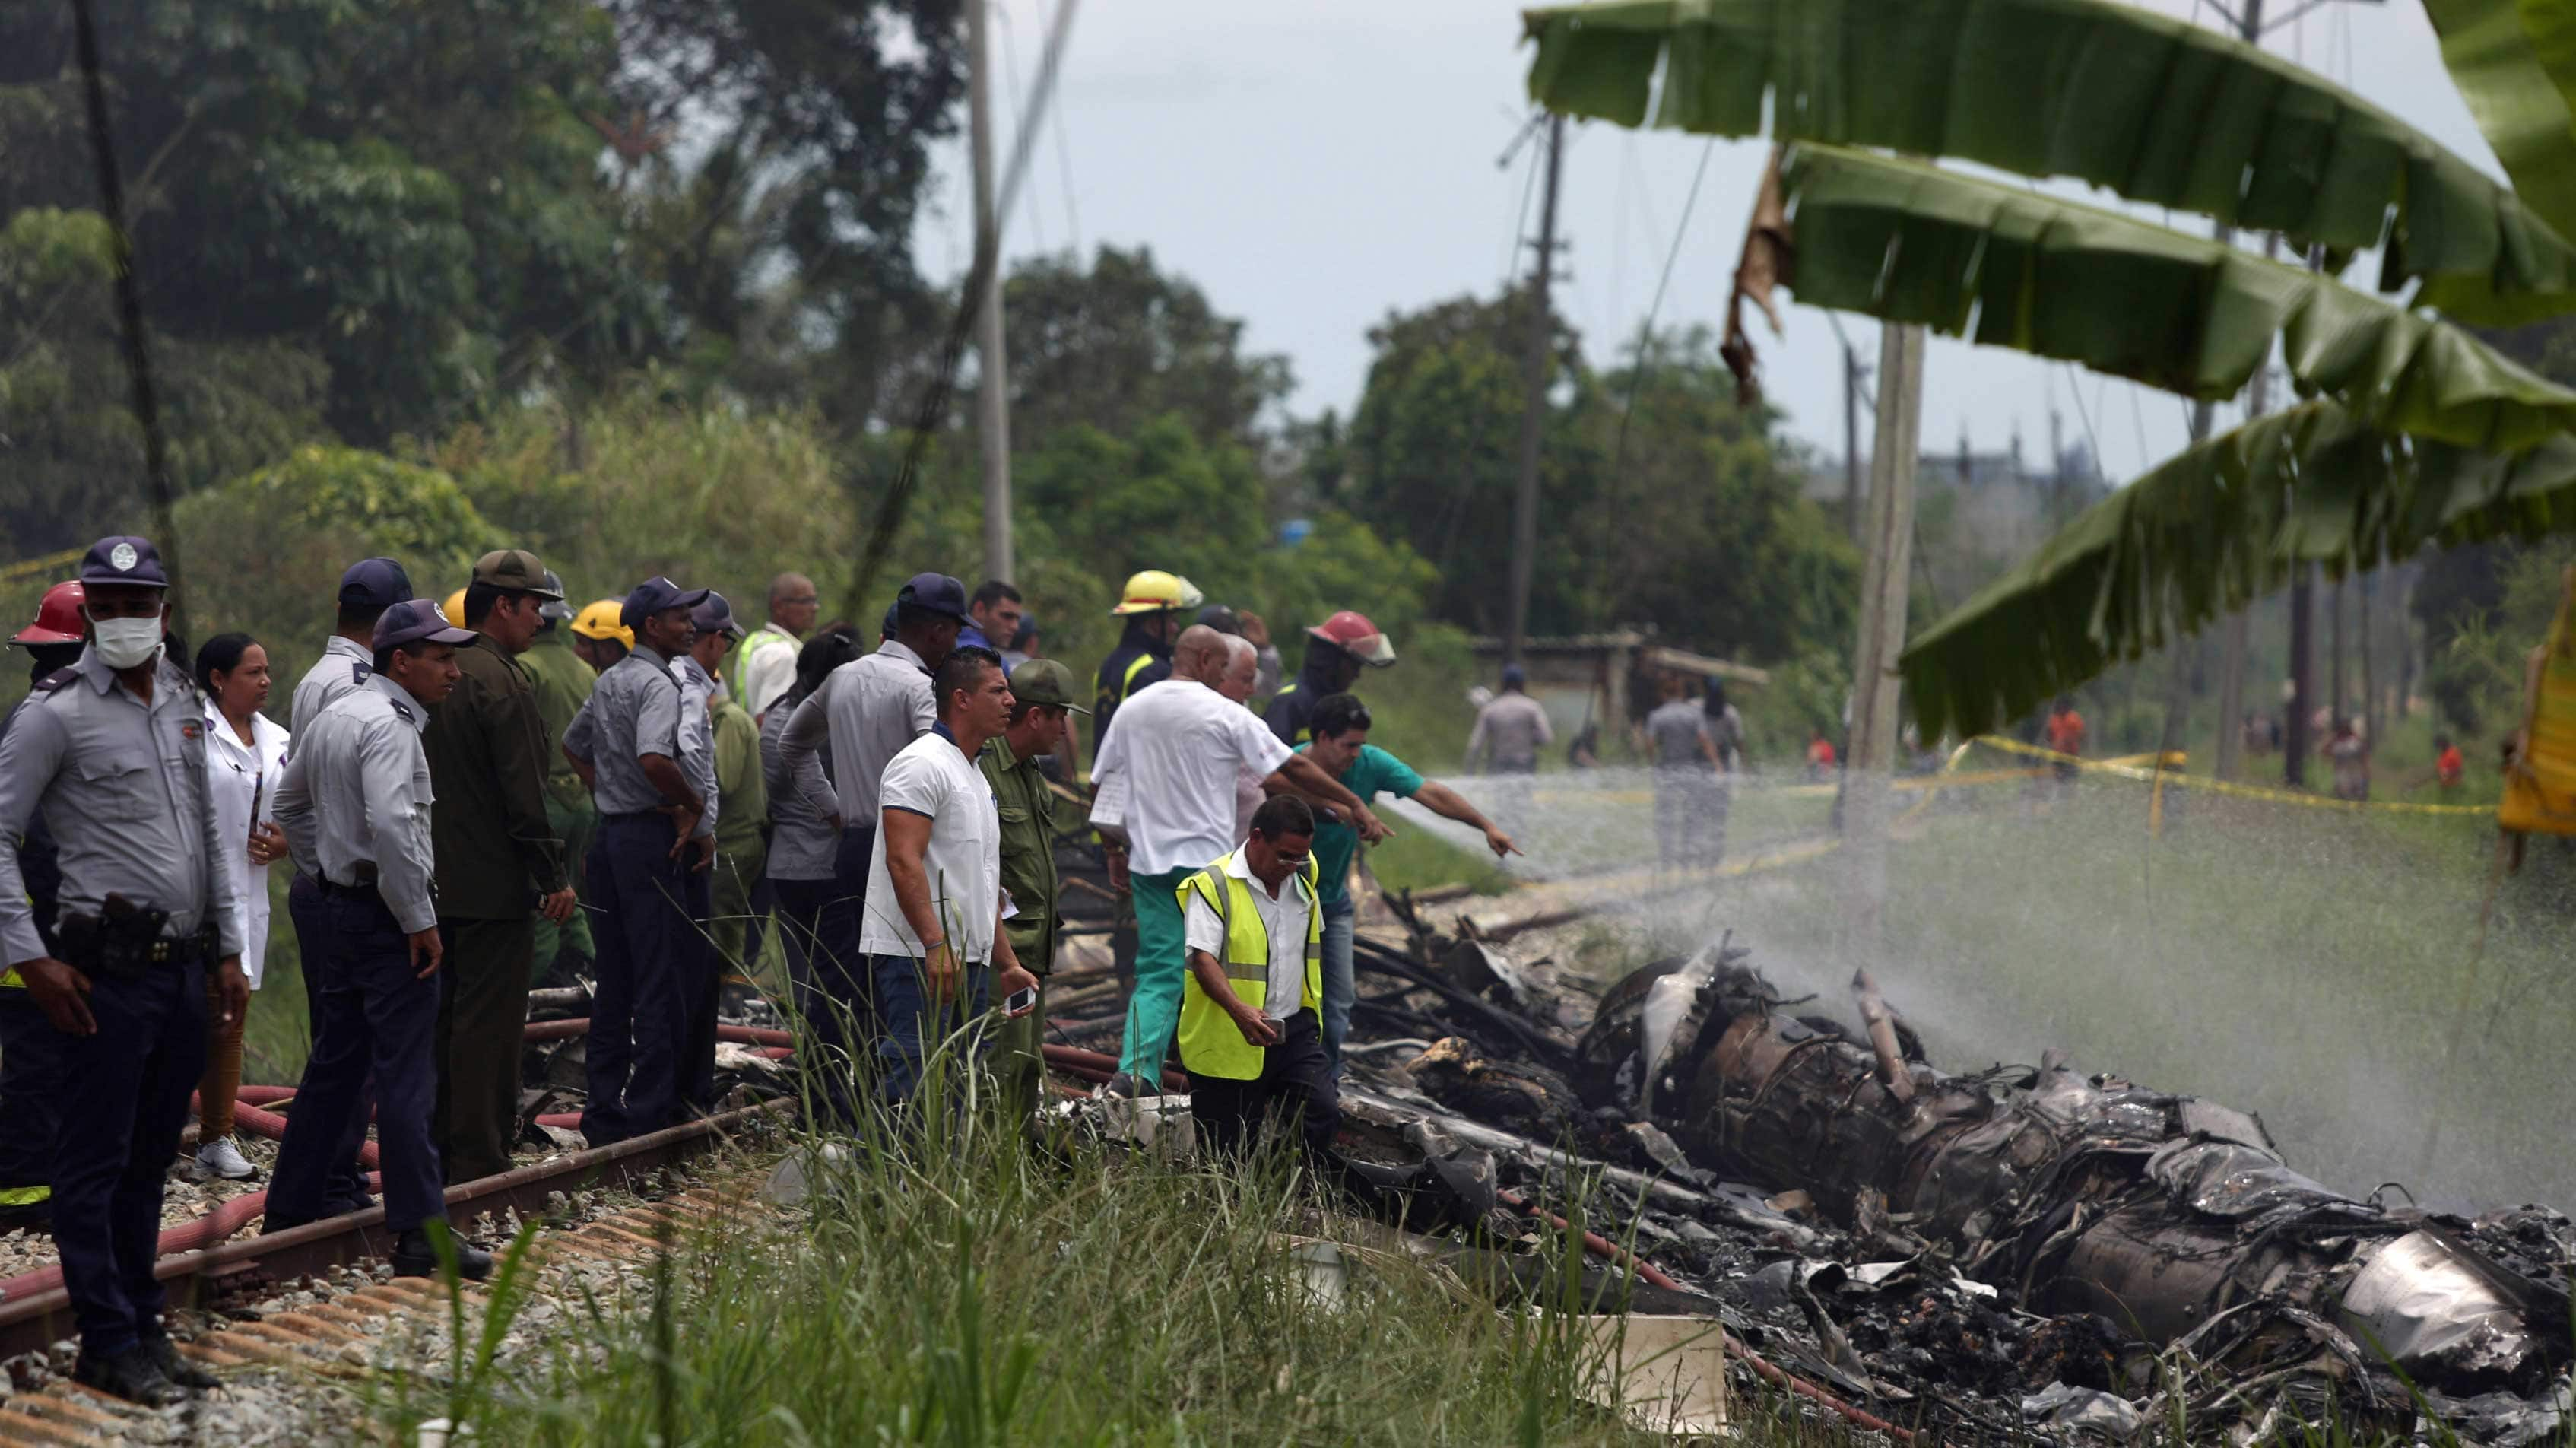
{"x": 245, "y": 755}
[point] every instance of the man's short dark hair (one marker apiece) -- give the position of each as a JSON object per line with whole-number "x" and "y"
{"x": 961, "y": 673}
{"x": 1336, "y": 715}
{"x": 993, "y": 592}
{"x": 358, "y": 616}
{"x": 480, "y": 597}
{"x": 1283, "y": 814}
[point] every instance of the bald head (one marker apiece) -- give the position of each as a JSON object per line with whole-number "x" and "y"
{"x": 1199, "y": 655}
{"x": 793, "y": 602}
{"x": 1242, "y": 669}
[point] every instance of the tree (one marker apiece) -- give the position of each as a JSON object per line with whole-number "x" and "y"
{"x": 1124, "y": 341}
{"x": 2430, "y": 436}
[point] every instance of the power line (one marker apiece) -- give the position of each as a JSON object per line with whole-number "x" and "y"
{"x": 1064, "y": 170}
{"x": 1011, "y": 79}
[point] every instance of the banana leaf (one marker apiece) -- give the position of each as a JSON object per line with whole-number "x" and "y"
{"x": 2154, "y": 108}
{"x": 2007, "y": 267}
{"x": 2514, "y": 64}
{"x": 2209, "y": 531}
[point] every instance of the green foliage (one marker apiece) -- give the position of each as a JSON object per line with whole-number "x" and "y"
{"x": 2162, "y": 110}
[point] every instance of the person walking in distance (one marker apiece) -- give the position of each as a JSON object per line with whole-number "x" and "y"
{"x": 1166, "y": 798}
{"x": 357, "y": 800}
{"x": 367, "y": 589}
{"x": 112, "y": 753}
{"x": 1511, "y": 728}
{"x": 763, "y": 665}
{"x": 626, "y": 741}
{"x": 934, "y": 923}
{"x": 804, "y": 844}
{"x": 1676, "y": 738}
{"x": 1725, "y": 730}
{"x": 1042, "y": 694}
{"x": 866, "y": 713}
{"x": 245, "y": 757}
{"x": 562, "y": 683}
{"x": 500, "y": 866}
{"x": 30, "y": 1047}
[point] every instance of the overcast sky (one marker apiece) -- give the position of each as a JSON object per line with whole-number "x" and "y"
{"x": 1317, "y": 164}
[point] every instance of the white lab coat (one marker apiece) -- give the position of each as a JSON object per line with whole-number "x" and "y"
{"x": 237, "y": 774}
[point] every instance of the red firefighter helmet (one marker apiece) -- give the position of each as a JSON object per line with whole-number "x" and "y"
{"x": 58, "y": 617}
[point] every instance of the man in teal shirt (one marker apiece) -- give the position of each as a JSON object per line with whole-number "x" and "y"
{"x": 1340, "y": 728}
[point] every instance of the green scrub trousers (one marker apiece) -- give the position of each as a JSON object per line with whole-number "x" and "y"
{"x": 1154, "y": 1008}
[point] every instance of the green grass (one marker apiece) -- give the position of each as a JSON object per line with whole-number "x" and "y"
{"x": 972, "y": 1291}
{"x": 1416, "y": 859}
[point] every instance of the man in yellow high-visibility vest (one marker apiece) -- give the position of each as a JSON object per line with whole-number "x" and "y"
{"x": 1251, "y": 1035}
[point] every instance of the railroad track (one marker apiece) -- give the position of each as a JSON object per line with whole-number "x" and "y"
{"x": 238, "y": 1272}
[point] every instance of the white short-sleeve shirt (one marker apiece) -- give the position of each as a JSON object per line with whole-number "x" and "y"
{"x": 1173, "y": 753}
{"x": 1284, "y": 918}
{"x": 931, "y": 777}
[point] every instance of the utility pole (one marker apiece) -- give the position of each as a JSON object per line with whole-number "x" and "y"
{"x": 1851, "y": 442}
{"x": 1888, "y": 564}
{"x": 2238, "y": 640}
{"x": 1535, "y": 373}
{"x": 992, "y": 392}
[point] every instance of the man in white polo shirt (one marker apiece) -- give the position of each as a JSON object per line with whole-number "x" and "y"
{"x": 935, "y": 903}
{"x": 1166, "y": 775}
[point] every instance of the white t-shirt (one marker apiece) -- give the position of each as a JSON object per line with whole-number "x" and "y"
{"x": 1174, "y": 752}
{"x": 933, "y": 778}
{"x": 1283, "y": 919}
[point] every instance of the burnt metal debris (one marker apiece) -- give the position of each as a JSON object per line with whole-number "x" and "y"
{"x": 2026, "y": 1253}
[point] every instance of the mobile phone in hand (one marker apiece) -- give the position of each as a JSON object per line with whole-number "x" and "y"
{"x": 1020, "y": 1002}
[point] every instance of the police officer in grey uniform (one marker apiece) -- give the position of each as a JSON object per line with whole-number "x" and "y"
{"x": 367, "y": 589}
{"x": 703, "y": 967}
{"x": 627, "y": 742}
{"x": 356, "y": 801}
{"x": 114, "y": 756}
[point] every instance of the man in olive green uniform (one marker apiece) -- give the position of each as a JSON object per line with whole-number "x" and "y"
{"x": 1042, "y": 694}
{"x": 562, "y": 683}
{"x": 742, "y": 844}
{"x": 499, "y": 864}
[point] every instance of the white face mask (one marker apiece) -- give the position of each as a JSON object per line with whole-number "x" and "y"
{"x": 125, "y": 643}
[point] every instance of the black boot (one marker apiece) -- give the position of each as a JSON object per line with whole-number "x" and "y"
{"x": 175, "y": 1366}
{"x": 415, "y": 1257}
{"x": 131, "y": 1375}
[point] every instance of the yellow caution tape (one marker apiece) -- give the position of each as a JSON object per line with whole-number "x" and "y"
{"x": 2219, "y": 786}
{"x": 10, "y": 573}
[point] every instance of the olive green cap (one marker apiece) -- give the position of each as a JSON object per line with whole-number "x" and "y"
{"x": 1044, "y": 681}
{"x": 517, "y": 570}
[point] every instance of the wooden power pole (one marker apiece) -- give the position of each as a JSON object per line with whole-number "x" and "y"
{"x": 1535, "y": 373}
{"x": 1851, "y": 442}
{"x": 992, "y": 391}
{"x": 1888, "y": 561}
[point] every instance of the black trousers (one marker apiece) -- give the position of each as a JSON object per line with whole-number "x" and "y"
{"x": 120, "y": 1104}
{"x": 644, "y": 1018}
{"x": 482, "y": 1015}
{"x": 1295, "y": 1088}
{"x": 836, "y": 997}
{"x": 345, "y": 1188}
{"x": 379, "y": 1019}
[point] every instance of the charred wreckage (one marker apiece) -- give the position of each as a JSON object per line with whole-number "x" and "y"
{"x": 2026, "y": 1253}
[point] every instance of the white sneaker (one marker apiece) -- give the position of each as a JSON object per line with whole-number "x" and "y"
{"x": 221, "y": 1158}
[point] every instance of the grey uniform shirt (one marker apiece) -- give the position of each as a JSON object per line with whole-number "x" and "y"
{"x": 122, "y": 785}
{"x": 633, "y": 711}
{"x": 867, "y": 710}
{"x": 697, "y": 737}
{"x": 326, "y": 681}
{"x": 802, "y": 842}
{"x": 357, "y": 792}
{"x": 1512, "y": 728}
{"x": 1675, "y": 729}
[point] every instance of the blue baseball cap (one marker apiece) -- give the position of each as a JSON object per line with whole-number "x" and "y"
{"x": 938, "y": 593}
{"x": 374, "y": 583}
{"x": 124, "y": 561}
{"x": 654, "y": 595}
{"x": 714, "y": 615}
{"x": 1514, "y": 675}
{"x": 413, "y": 620}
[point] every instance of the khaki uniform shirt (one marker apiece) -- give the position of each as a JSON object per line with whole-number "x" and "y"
{"x": 1027, "y": 811}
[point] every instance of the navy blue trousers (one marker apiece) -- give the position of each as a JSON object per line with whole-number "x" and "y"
{"x": 379, "y": 1018}
{"x": 652, "y": 955}
{"x": 31, "y": 1061}
{"x": 120, "y": 1104}
{"x": 916, "y": 1025}
{"x": 702, "y": 968}
{"x": 346, "y": 1188}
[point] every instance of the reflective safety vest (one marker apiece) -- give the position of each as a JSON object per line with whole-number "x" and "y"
{"x": 766, "y": 633}
{"x": 1211, "y": 1044}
